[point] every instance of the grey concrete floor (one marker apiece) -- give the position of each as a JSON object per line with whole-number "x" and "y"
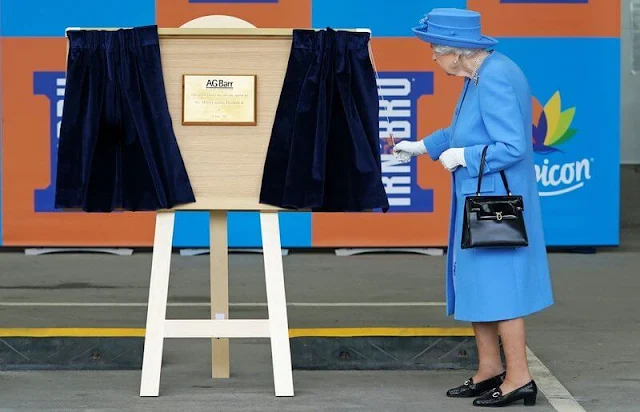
{"x": 590, "y": 339}
{"x": 186, "y": 386}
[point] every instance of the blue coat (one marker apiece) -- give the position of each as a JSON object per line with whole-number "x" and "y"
{"x": 494, "y": 284}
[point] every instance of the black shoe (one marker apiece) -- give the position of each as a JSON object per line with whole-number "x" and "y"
{"x": 495, "y": 398}
{"x": 470, "y": 389}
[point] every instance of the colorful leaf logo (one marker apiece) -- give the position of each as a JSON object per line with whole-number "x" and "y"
{"x": 552, "y": 127}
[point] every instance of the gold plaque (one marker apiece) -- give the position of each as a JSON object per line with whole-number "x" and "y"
{"x": 219, "y": 100}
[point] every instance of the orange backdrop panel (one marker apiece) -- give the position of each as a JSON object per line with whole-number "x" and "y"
{"x": 285, "y": 13}
{"x": 26, "y": 161}
{"x": 597, "y": 18}
{"x": 433, "y": 112}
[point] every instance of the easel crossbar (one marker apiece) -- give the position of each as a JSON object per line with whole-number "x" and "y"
{"x": 242, "y": 328}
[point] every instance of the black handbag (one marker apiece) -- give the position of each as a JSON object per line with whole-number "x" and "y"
{"x": 493, "y": 221}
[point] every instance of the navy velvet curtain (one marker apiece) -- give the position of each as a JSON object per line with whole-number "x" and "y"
{"x": 324, "y": 152}
{"x": 117, "y": 146}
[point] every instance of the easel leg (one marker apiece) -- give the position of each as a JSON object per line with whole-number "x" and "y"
{"x": 219, "y": 273}
{"x": 157, "y": 307}
{"x": 276, "y": 303}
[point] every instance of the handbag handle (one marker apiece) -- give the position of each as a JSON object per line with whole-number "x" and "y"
{"x": 482, "y": 161}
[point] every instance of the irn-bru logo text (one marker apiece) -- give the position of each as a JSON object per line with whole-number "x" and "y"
{"x": 51, "y": 85}
{"x": 545, "y": 1}
{"x": 399, "y": 93}
{"x": 551, "y": 129}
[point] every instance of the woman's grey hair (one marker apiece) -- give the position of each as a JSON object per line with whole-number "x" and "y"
{"x": 440, "y": 49}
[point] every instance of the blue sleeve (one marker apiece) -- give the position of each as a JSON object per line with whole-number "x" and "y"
{"x": 502, "y": 118}
{"x": 436, "y": 143}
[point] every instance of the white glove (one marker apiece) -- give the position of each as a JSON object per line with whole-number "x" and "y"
{"x": 452, "y": 158}
{"x": 405, "y": 149}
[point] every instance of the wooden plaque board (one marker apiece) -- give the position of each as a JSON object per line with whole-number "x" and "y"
{"x": 225, "y": 163}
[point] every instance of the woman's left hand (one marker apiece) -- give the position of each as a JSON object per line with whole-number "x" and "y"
{"x": 452, "y": 158}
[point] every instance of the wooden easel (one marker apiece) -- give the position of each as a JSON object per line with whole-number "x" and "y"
{"x": 225, "y": 168}
{"x": 225, "y": 165}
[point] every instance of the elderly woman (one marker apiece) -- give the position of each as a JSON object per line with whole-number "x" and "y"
{"x": 493, "y": 288}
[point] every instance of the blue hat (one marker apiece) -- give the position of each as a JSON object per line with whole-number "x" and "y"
{"x": 453, "y": 27}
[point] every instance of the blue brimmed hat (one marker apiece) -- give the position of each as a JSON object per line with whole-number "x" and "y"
{"x": 453, "y": 27}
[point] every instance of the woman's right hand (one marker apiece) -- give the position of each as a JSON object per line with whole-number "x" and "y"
{"x": 406, "y": 149}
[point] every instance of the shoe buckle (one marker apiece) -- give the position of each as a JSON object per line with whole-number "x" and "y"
{"x": 496, "y": 394}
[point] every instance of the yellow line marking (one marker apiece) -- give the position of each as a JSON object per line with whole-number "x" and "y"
{"x": 72, "y": 332}
{"x": 293, "y": 333}
{"x": 355, "y": 332}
